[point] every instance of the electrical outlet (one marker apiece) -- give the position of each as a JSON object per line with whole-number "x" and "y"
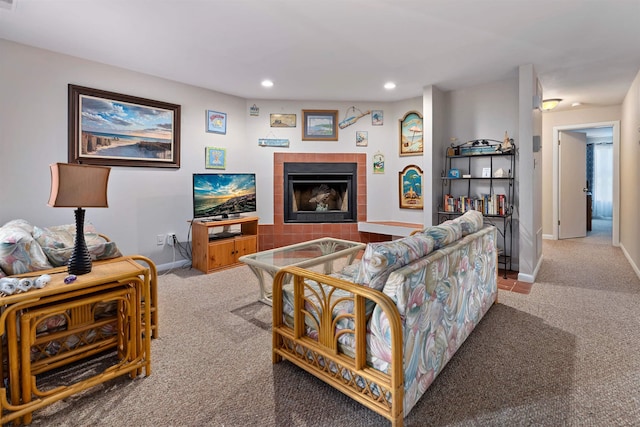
{"x": 171, "y": 239}
{"x": 160, "y": 239}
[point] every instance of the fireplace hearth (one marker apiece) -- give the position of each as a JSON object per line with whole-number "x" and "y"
{"x": 320, "y": 192}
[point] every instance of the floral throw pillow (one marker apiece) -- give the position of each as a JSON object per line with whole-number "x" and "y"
{"x": 381, "y": 259}
{"x": 19, "y": 252}
{"x": 58, "y": 242}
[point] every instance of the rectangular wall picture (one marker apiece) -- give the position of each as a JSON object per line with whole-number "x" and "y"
{"x": 282, "y": 120}
{"x": 112, "y": 129}
{"x": 362, "y": 138}
{"x": 377, "y": 117}
{"x": 320, "y": 125}
{"x": 378, "y": 163}
{"x": 216, "y": 158}
{"x": 216, "y": 122}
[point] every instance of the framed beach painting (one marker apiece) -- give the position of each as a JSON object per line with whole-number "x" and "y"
{"x": 112, "y": 129}
{"x": 410, "y": 188}
{"x": 411, "y": 127}
{"x": 319, "y": 125}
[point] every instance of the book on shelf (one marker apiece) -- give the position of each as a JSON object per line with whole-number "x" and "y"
{"x": 488, "y": 204}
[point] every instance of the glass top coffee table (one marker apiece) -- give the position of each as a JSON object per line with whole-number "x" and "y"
{"x": 321, "y": 252}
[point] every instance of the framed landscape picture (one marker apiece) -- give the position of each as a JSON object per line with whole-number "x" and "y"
{"x": 410, "y": 188}
{"x": 112, "y": 129}
{"x": 320, "y": 125}
{"x": 411, "y": 127}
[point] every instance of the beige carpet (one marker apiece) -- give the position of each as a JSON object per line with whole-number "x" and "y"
{"x": 567, "y": 354}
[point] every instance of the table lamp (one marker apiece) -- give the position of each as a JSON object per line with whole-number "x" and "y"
{"x": 79, "y": 186}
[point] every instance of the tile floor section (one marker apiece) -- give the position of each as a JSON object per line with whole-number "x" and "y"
{"x": 512, "y": 284}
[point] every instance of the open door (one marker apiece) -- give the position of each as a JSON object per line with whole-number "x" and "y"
{"x": 572, "y": 192}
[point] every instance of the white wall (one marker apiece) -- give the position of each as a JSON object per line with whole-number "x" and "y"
{"x": 145, "y": 202}
{"x": 630, "y": 175}
{"x": 530, "y": 172}
{"x": 382, "y": 189}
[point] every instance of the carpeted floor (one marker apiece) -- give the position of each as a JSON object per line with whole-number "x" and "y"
{"x": 567, "y": 354}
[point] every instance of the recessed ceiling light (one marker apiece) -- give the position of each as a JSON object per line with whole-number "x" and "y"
{"x": 576, "y": 104}
{"x": 267, "y": 83}
{"x": 389, "y": 85}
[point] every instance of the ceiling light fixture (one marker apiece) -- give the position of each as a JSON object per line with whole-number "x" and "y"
{"x": 389, "y": 85}
{"x": 267, "y": 83}
{"x": 576, "y": 104}
{"x": 550, "y": 104}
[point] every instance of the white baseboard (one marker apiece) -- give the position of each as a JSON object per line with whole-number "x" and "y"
{"x": 548, "y": 236}
{"x": 531, "y": 278}
{"x": 172, "y": 265}
{"x": 628, "y": 257}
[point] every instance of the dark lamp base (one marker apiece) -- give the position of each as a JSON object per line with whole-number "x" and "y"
{"x": 80, "y": 261}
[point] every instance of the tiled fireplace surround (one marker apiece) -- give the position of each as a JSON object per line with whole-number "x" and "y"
{"x": 281, "y": 234}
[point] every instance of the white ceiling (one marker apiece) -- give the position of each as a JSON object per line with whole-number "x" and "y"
{"x": 345, "y": 50}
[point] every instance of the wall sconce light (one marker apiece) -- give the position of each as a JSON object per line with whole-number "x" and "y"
{"x": 79, "y": 186}
{"x": 550, "y": 104}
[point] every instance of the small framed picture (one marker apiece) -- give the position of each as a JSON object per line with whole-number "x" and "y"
{"x": 216, "y": 122}
{"x": 319, "y": 125}
{"x": 377, "y": 117}
{"x": 282, "y": 120}
{"x": 486, "y": 172}
{"x": 215, "y": 158}
{"x": 378, "y": 163}
{"x": 362, "y": 138}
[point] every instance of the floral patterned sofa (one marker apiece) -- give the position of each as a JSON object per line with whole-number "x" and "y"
{"x": 382, "y": 329}
{"x": 28, "y": 250}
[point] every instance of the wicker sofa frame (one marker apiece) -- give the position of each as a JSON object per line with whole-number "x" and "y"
{"x": 315, "y": 301}
{"x": 382, "y": 393}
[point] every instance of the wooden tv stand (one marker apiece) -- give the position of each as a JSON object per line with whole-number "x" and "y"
{"x": 214, "y": 248}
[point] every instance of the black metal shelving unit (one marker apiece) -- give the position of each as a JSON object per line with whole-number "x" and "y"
{"x": 496, "y": 160}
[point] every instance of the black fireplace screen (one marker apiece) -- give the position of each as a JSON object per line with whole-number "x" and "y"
{"x": 320, "y": 192}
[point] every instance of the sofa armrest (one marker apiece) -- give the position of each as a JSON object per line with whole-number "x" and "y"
{"x": 105, "y": 237}
{"x": 293, "y": 344}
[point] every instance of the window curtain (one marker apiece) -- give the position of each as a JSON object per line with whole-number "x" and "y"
{"x": 602, "y": 187}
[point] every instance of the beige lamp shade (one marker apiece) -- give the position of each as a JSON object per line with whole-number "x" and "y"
{"x": 75, "y": 186}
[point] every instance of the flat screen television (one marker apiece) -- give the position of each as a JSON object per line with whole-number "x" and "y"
{"x": 223, "y": 194}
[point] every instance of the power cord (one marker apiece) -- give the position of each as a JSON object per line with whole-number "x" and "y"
{"x": 185, "y": 249}
{"x": 175, "y": 240}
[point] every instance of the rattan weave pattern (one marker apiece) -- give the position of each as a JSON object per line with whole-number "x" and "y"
{"x": 367, "y": 388}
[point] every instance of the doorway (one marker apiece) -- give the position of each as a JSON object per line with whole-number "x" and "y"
{"x": 596, "y": 133}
